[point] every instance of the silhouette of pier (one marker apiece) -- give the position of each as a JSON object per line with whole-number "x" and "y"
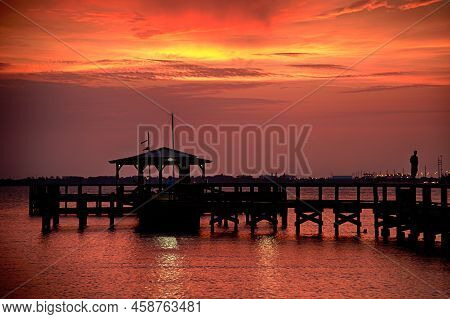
{"x": 406, "y": 207}
{"x": 409, "y": 208}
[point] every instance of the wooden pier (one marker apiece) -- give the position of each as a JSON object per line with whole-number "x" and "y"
{"x": 411, "y": 209}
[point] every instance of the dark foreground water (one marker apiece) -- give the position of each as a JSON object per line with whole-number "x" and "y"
{"x": 124, "y": 264}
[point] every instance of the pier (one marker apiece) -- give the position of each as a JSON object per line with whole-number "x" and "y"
{"x": 410, "y": 210}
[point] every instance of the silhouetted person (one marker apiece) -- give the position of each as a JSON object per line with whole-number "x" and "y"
{"x": 414, "y": 160}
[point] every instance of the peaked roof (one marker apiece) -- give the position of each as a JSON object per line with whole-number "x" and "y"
{"x": 163, "y": 155}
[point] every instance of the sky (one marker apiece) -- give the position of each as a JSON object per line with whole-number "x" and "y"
{"x": 77, "y": 78}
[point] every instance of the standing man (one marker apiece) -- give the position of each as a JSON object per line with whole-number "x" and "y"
{"x": 414, "y": 160}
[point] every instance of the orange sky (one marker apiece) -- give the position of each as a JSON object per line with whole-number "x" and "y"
{"x": 223, "y": 62}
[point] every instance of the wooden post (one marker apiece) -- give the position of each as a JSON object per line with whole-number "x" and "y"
{"x": 99, "y": 201}
{"x": 444, "y": 198}
{"x": 321, "y": 210}
{"x": 284, "y": 217}
{"x": 320, "y": 223}
{"x": 284, "y": 209}
{"x": 413, "y": 236}
{"x": 358, "y": 217}
{"x": 375, "y": 212}
{"x": 385, "y": 228}
{"x": 211, "y": 222}
{"x": 247, "y": 209}
{"x": 358, "y": 226}
{"x": 45, "y": 211}
{"x": 336, "y": 211}
{"x": 336, "y": 224}
{"x": 66, "y": 191}
{"x": 426, "y": 196}
{"x": 111, "y": 213}
{"x": 119, "y": 199}
{"x": 53, "y": 192}
{"x": 140, "y": 169}
{"x": 31, "y": 199}
{"x": 55, "y": 220}
{"x": 82, "y": 211}
{"x": 429, "y": 236}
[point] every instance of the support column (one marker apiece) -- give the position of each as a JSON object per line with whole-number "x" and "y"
{"x": 118, "y": 167}
{"x": 211, "y": 222}
{"x": 385, "y": 233}
{"x": 284, "y": 217}
{"x": 336, "y": 211}
{"x": 99, "y": 201}
{"x": 375, "y": 211}
{"x": 45, "y": 212}
{"x": 444, "y": 198}
{"x": 141, "y": 168}
{"x": 111, "y": 214}
{"x": 82, "y": 211}
{"x": 358, "y": 217}
{"x": 119, "y": 200}
{"x": 236, "y": 221}
{"x": 55, "y": 220}
{"x": 284, "y": 209}
{"x": 66, "y": 191}
{"x": 320, "y": 223}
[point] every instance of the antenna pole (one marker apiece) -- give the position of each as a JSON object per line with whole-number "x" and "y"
{"x": 173, "y": 136}
{"x": 173, "y": 147}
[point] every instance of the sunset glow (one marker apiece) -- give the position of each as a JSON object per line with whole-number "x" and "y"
{"x": 224, "y": 61}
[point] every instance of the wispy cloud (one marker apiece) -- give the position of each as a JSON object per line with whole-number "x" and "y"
{"x": 377, "y": 88}
{"x": 416, "y": 4}
{"x": 369, "y": 5}
{"x": 157, "y": 70}
{"x": 362, "y": 5}
{"x": 321, "y": 66}
{"x": 286, "y": 54}
{"x": 344, "y": 76}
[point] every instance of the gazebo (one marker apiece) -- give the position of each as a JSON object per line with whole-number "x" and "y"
{"x": 160, "y": 158}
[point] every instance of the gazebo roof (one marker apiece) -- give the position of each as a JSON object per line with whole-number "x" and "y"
{"x": 163, "y": 155}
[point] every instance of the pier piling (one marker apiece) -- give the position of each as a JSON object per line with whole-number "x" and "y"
{"x": 82, "y": 212}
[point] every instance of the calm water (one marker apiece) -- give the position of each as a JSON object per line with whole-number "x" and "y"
{"x": 124, "y": 264}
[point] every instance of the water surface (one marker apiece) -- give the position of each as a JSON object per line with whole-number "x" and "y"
{"x": 98, "y": 263}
